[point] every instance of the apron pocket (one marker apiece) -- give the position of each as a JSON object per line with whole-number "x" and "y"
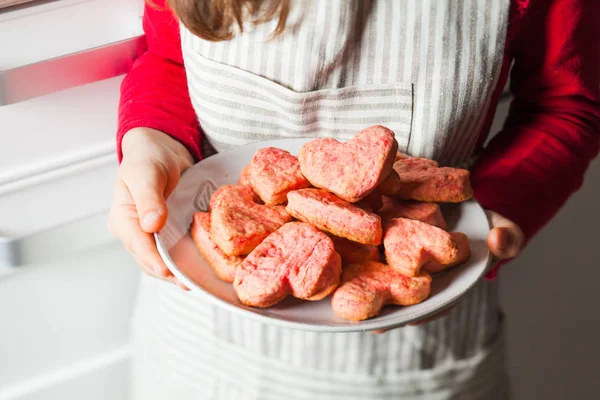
{"x": 236, "y": 107}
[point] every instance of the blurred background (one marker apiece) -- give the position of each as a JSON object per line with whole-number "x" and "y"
{"x": 67, "y": 287}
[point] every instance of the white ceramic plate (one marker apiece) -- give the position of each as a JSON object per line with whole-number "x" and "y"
{"x": 179, "y": 253}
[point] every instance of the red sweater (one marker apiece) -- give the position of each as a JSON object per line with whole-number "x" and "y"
{"x": 528, "y": 170}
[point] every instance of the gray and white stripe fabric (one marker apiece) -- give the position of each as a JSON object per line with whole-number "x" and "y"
{"x": 367, "y": 61}
{"x": 188, "y": 349}
{"x": 424, "y": 68}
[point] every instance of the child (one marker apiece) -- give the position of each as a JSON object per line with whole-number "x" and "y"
{"x": 223, "y": 73}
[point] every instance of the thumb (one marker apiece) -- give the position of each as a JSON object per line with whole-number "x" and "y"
{"x": 147, "y": 184}
{"x": 506, "y": 239}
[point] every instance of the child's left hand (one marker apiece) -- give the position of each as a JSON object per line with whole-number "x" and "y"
{"x": 505, "y": 241}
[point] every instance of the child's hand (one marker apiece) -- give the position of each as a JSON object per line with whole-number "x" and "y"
{"x": 505, "y": 241}
{"x": 151, "y": 166}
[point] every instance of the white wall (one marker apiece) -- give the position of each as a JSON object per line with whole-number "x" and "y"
{"x": 65, "y": 311}
{"x": 551, "y": 295}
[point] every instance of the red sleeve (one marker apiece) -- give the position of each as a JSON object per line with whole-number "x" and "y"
{"x": 154, "y": 94}
{"x": 530, "y": 169}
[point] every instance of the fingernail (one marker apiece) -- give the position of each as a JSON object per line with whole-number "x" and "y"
{"x": 150, "y": 219}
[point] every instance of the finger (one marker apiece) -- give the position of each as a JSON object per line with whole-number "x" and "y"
{"x": 166, "y": 276}
{"x": 181, "y": 285}
{"x": 125, "y": 224}
{"x": 142, "y": 245}
{"x": 505, "y": 241}
{"x": 148, "y": 271}
{"x": 146, "y": 184}
{"x": 382, "y": 331}
{"x": 170, "y": 278}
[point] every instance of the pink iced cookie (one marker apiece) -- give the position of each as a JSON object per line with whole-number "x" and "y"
{"x": 429, "y": 213}
{"x": 297, "y": 259}
{"x": 353, "y": 169}
{"x": 353, "y": 252}
{"x": 245, "y": 178}
{"x": 326, "y": 212}
{"x": 410, "y": 244}
{"x": 464, "y": 252}
{"x": 238, "y": 223}
{"x": 414, "y": 164}
{"x": 399, "y": 156}
{"x": 374, "y": 200}
{"x": 390, "y": 185}
{"x": 228, "y": 188}
{"x": 223, "y": 265}
{"x": 421, "y": 179}
{"x": 367, "y": 287}
{"x": 273, "y": 173}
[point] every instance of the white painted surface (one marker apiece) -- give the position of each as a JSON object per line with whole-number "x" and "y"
{"x": 60, "y": 320}
{"x": 64, "y": 319}
{"x": 550, "y": 296}
{"x": 58, "y": 130}
{"x": 104, "y": 373}
{"x": 108, "y": 383}
{"x": 57, "y": 28}
{"x": 60, "y": 149}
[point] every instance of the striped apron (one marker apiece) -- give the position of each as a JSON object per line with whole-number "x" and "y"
{"x": 426, "y": 69}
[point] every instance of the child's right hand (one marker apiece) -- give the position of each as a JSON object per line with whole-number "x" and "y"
{"x": 150, "y": 169}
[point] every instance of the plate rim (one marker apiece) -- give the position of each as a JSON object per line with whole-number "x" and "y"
{"x": 361, "y": 326}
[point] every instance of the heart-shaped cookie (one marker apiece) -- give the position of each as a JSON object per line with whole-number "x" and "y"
{"x": 227, "y": 189}
{"x": 223, "y": 265}
{"x": 323, "y": 210}
{"x": 410, "y": 244}
{"x": 421, "y": 179}
{"x": 354, "y": 252}
{"x": 409, "y": 167}
{"x": 238, "y": 224}
{"x": 464, "y": 252}
{"x": 390, "y": 185}
{"x": 353, "y": 169}
{"x": 367, "y": 287}
{"x": 273, "y": 173}
{"x": 297, "y": 259}
{"x": 245, "y": 177}
{"x": 429, "y": 213}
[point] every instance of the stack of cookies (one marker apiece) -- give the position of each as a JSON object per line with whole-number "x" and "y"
{"x": 356, "y": 219}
